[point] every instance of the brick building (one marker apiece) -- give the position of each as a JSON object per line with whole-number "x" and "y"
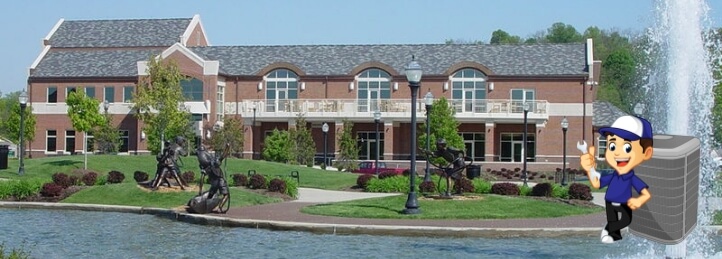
{"x": 267, "y": 86}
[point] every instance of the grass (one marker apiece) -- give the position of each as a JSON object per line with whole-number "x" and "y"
{"x": 45, "y": 167}
{"x": 489, "y": 207}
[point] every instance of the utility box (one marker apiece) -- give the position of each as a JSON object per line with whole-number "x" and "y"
{"x": 673, "y": 178}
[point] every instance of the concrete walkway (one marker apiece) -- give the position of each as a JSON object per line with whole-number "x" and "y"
{"x": 310, "y": 195}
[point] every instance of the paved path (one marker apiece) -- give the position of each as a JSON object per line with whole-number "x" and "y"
{"x": 310, "y": 195}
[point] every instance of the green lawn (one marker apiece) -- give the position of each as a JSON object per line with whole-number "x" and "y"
{"x": 45, "y": 167}
{"x": 489, "y": 207}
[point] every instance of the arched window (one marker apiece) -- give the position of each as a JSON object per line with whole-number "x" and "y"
{"x": 468, "y": 90}
{"x": 192, "y": 89}
{"x": 281, "y": 86}
{"x": 373, "y": 85}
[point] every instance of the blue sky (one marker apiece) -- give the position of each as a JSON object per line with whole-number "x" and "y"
{"x": 296, "y": 22}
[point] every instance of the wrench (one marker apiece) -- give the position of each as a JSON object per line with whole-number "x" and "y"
{"x": 582, "y": 146}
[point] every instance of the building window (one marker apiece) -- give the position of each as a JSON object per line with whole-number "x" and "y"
{"x": 127, "y": 94}
{"x": 192, "y": 89}
{"x": 196, "y": 117}
{"x": 519, "y": 96}
{"x": 70, "y": 141}
{"x": 52, "y": 94}
{"x": 124, "y": 141}
{"x": 601, "y": 147}
{"x": 281, "y": 87}
{"x": 373, "y": 86}
{"x": 69, "y": 90}
{"x": 474, "y": 144}
{"x": 468, "y": 90}
{"x": 512, "y": 147}
{"x": 90, "y": 142}
{"x": 366, "y": 142}
{"x": 90, "y": 91}
{"x": 110, "y": 94}
{"x": 51, "y": 140}
{"x": 220, "y": 102}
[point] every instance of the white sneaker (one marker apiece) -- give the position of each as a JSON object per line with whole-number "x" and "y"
{"x": 607, "y": 239}
{"x": 604, "y": 233}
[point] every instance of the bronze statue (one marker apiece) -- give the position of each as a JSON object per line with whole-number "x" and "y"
{"x": 454, "y": 158}
{"x": 168, "y": 164}
{"x": 218, "y": 195}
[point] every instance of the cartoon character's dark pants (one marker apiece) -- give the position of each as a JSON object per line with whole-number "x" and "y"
{"x": 616, "y": 223}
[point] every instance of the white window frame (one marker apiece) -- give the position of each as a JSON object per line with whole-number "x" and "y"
{"x": 384, "y": 83}
{"x": 480, "y": 84}
{"x": 124, "y": 136}
{"x": 220, "y": 101}
{"x": 132, "y": 89}
{"x": 601, "y": 147}
{"x": 47, "y": 94}
{"x": 275, "y": 104}
{"x": 47, "y": 139}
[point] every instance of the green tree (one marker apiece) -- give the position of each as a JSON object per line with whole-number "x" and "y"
{"x": 348, "y": 153}
{"x": 158, "y": 100}
{"x": 463, "y": 41}
{"x": 562, "y": 33}
{"x": 6, "y": 105}
{"x": 106, "y": 136}
{"x": 303, "y": 149}
{"x": 277, "y": 146}
{"x": 503, "y": 37}
{"x": 231, "y": 133}
{"x": 443, "y": 125}
{"x": 84, "y": 113}
{"x": 12, "y": 124}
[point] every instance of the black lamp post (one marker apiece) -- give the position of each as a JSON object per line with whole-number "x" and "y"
{"x": 161, "y": 128}
{"x": 413, "y": 75}
{"x": 324, "y": 128}
{"x": 429, "y": 99}
{"x": 23, "y": 98}
{"x": 565, "y": 125}
{"x": 524, "y": 145}
{"x": 253, "y": 133}
{"x": 377, "y": 119}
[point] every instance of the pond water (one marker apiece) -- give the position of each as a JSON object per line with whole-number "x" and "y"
{"x": 83, "y": 234}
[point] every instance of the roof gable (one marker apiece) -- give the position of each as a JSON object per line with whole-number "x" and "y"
{"x": 118, "y": 33}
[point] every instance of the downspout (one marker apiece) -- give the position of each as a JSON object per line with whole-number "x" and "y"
{"x": 237, "y": 106}
{"x": 584, "y": 111}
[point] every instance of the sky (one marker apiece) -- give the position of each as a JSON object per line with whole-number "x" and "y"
{"x": 303, "y": 22}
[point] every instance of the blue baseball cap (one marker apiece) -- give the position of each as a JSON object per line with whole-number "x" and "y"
{"x": 630, "y": 128}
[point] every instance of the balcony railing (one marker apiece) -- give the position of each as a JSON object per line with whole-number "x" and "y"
{"x": 389, "y": 107}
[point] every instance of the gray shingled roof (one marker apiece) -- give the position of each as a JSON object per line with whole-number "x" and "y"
{"x": 119, "y": 33}
{"x": 91, "y": 63}
{"x": 516, "y": 60}
{"x": 605, "y": 114}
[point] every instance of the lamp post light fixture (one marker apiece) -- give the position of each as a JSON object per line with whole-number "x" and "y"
{"x": 377, "y": 119}
{"x": 413, "y": 76}
{"x": 23, "y": 98}
{"x": 429, "y": 101}
{"x": 324, "y": 128}
{"x": 253, "y": 133}
{"x": 565, "y": 126}
{"x": 524, "y": 145}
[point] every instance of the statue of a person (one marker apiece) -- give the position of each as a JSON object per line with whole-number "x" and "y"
{"x": 168, "y": 163}
{"x": 453, "y": 156}
{"x": 210, "y": 165}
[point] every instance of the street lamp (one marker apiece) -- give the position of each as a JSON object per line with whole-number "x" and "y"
{"x": 253, "y": 133}
{"x": 413, "y": 75}
{"x": 23, "y": 98}
{"x": 377, "y": 119}
{"x": 429, "y": 99}
{"x": 523, "y": 148}
{"x": 324, "y": 128}
{"x": 161, "y": 128}
{"x": 565, "y": 125}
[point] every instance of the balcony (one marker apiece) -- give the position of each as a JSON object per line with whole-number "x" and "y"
{"x": 392, "y": 109}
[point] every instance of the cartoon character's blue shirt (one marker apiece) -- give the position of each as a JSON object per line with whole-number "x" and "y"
{"x": 620, "y": 186}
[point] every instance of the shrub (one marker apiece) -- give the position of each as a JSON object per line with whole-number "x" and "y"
{"x": 140, "y": 176}
{"x": 115, "y": 177}
{"x": 580, "y": 192}
{"x": 406, "y": 173}
{"x": 25, "y": 188}
{"x": 387, "y": 174}
{"x": 240, "y": 180}
{"x": 291, "y": 187}
{"x": 481, "y": 186}
{"x": 51, "y": 190}
{"x": 363, "y": 180}
{"x": 15, "y": 253}
{"x": 90, "y": 178}
{"x": 391, "y": 184}
{"x": 542, "y": 190}
{"x": 559, "y": 191}
{"x": 257, "y": 181}
{"x": 102, "y": 180}
{"x": 463, "y": 185}
{"x": 277, "y": 185}
{"x": 427, "y": 187}
{"x": 74, "y": 180}
{"x": 188, "y": 177}
{"x": 62, "y": 179}
{"x": 524, "y": 190}
{"x": 505, "y": 189}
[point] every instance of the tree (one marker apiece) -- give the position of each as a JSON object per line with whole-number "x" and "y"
{"x": 6, "y": 105}
{"x": 158, "y": 100}
{"x": 231, "y": 133}
{"x": 463, "y": 41}
{"x": 303, "y": 149}
{"x": 562, "y": 33}
{"x": 84, "y": 113}
{"x": 503, "y": 37}
{"x": 348, "y": 153}
{"x": 443, "y": 125}
{"x": 12, "y": 124}
{"x": 277, "y": 146}
{"x": 106, "y": 136}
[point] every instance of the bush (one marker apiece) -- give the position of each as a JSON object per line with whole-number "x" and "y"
{"x": 387, "y": 174}
{"x": 463, "y": 185}
{"x": 363, "y": 180}
{"x": 74, "y": 180}
{"x": 580, "y": 192}
{"x": 90, "y": 178}
{"x": 240, "y": 180}
{"x": 62, "y": 179}
{"x": 140, "y": 176}
{"x": 102, "y": 180}
{"x": 188, "y": 177}
{"x": 51, "y": 190}
{"x": 427, "y": 187}
{"x": 524, "y": 190}
{"x": 391, "y": 184}
{"x": 15, "y": 253}
{"x": 560, "y": 192}
{"x": 277, "y": 185}
{"x": 291, "y": 187}
{"x": 115, "y": 177}
{"x": 25, "y": 188}
{"x": 505, "y": 189}
{"x": 481, "y": 186}
{"x": 257, "y": 181}
{"x": 542, "y": 190}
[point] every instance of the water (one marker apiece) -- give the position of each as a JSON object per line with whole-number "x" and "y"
{"x": 84, "y": 234}
{"x": 679, "y": 94}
